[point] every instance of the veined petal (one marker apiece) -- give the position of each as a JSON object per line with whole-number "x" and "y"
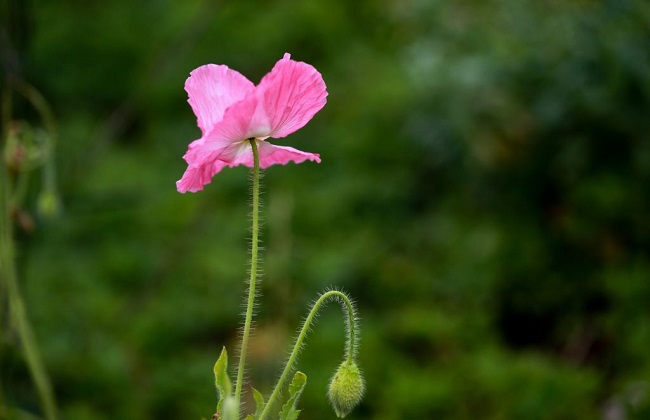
{"x": 230, "y": 110}
{"x": 234, "y": 127}
{"x": 212, "y": 89}
{"x": 242, "y": 121}
{"x": 240, "y": 153}
{"x": 271, "y": 154}
{"x": 202, "y": 152}
{"x": 289, "y": 96}
{"x": 196, "y": 177}
{"x": 200, "y": 173}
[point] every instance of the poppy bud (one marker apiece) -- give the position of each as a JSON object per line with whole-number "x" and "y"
{"x": 346, "y": 388}
{"x": 48, "y": 204}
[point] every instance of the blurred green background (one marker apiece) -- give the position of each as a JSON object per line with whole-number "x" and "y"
{"x": 482, "y": 195}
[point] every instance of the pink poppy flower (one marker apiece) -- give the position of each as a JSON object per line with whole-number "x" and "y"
{"x": 230, "y": 110}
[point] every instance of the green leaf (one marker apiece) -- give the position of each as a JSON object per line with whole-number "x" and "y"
{"x": 259, "y": 403}
{"x": 221, "y": 379}
{"x": 296, "y": 387}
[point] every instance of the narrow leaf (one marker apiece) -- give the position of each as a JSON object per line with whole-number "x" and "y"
{"x": 221, "y": 379}
{"x": 259, "y": 403}
{"x": 293, "y": 415}
{"x": 296, "y": 387}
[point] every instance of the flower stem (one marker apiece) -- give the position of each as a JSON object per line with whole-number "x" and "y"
{"x": 350, "y": 345}
{"x": 9, "y": 279}
{"x": 253, "y": 274}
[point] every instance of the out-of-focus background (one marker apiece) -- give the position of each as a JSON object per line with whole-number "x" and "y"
{"x": 483, "y": 194}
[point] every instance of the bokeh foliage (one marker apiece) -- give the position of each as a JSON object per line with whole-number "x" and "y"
{"x": 482, "y": 194}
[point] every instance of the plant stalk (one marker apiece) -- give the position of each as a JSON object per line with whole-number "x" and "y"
{"x": 9, "y": 280}
{"x": 350, "y": 345}
{"x": 253, "y": 274}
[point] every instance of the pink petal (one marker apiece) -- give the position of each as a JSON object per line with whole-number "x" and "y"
{"x": 231, "y": 110}
{"x": 201, "y": 173}
{"x": 289, "y": 96}
{"x": 225, "y": 145}
{"x": 195, "y": 178}
{"x": 212, "y": 89}
{"x": 270, "y": 154}
{"x": 240, "y": 153}
{"x": 244, "y": 119}
{"x": 202, "y": 152}
{"x": 233, "y": 128}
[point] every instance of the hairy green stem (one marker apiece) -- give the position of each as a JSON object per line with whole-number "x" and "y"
{"x": 350, "y": 345}
{"x": 253, "y": 274}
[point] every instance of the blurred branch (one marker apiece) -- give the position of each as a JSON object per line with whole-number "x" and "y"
{"x": 10, "y": 43}
{"x": 9, "y": 278}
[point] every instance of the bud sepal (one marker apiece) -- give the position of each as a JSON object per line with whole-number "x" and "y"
{"x": 346, "y": 388}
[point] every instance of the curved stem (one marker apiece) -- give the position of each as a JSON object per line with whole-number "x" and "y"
{"x": 38, "y": 101}
{"x": 19, "y": 315}
{"x": 253, "y": 274}
{"x": 9, "y": 277}
{"x": 350, "y": 345}
{"x": 44, "y": 109}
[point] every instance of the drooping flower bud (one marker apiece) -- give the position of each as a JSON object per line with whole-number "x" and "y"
{"x": 48, "y": 204}
{"x": 346, "y": 388}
